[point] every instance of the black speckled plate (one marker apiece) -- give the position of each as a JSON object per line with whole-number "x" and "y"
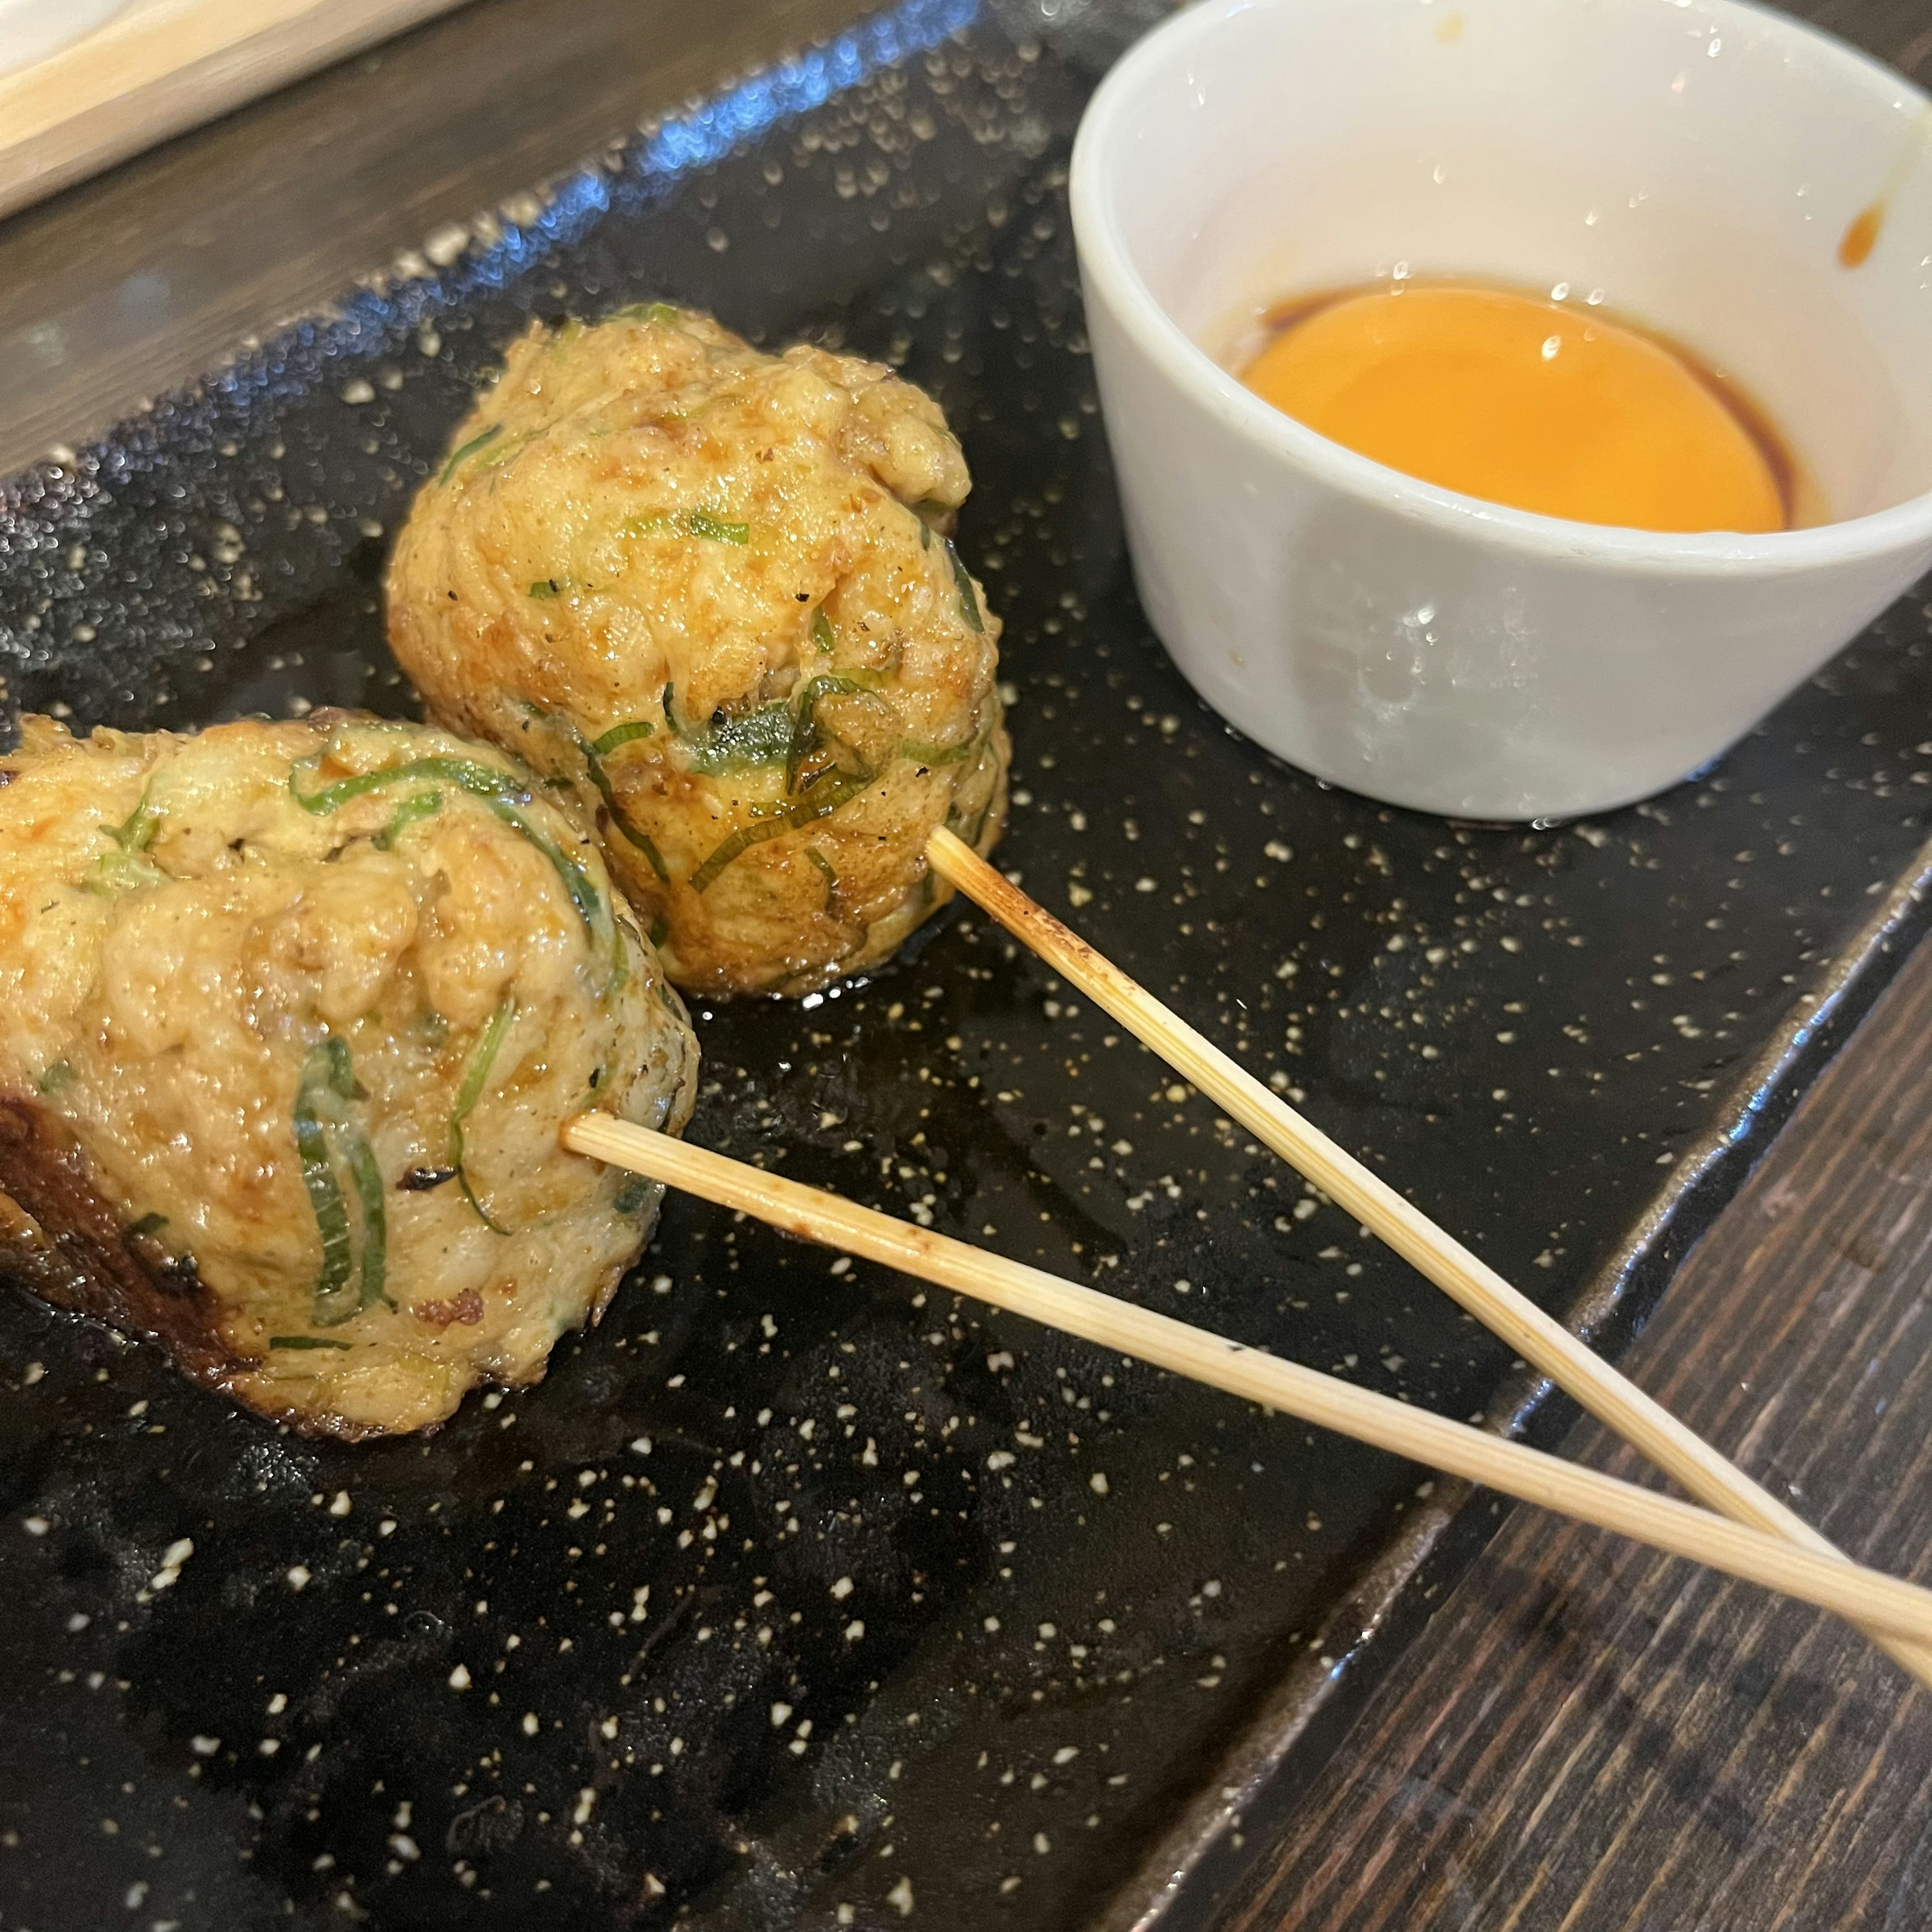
{"x": 795, "y": 1597}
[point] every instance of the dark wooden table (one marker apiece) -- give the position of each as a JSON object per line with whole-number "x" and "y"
{"x": 161, "y": 270}
{"x": 1589, "y": 1738}
{"x": 1586, "y": 1738}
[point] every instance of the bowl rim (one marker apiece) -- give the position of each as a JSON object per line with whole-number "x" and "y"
{"x": 1108, "y": 272}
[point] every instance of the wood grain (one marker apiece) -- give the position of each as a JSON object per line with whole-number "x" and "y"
{"x": 1587, "y": 1738}
{"x": 167, "y": 65}
{"x": 163, "y": 269}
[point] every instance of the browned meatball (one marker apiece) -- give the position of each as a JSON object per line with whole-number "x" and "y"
{"x": 713, "y": 590}
{"x": 290, "y": 1016}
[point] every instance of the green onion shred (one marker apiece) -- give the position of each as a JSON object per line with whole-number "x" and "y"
{"x": 501, "y": 793}
{"x": 475, "y": 1076}
{"x": 719, "y": 529}
{"x": 326, "y": 1131}
{"x": 469, "y": 449}
{"x": 969, "y": 603}
{"x": 804, "y": 733}
{"x": 822, "y": 798}
{"x": 418, "y": 805}
{"x": 592, "y": 755}
{"x": 625, "y": 734}
{"x": 127, "y": 867}
{"x": 760, "y": 737}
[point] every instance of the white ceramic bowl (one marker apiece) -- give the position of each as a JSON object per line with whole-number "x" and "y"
{"x": 1691, "y": 163}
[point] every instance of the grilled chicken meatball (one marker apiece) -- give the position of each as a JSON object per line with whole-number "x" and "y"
{"x": 713, "y": 590}
{"x": 289, "y": 1016}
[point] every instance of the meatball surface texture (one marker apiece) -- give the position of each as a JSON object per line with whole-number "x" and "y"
{"x": 713, "y": 589}
{"x": 290, "y": 1015}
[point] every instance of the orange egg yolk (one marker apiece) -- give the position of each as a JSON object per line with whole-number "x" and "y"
{"x": 1523, "y": 401}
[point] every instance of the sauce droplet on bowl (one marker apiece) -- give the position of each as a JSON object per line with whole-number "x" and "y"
{"x": 1861, "y": 235}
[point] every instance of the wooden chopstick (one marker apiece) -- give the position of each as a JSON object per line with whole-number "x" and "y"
{"x": 1646, "y": 1425}
{"x": 1832, "y": 1582}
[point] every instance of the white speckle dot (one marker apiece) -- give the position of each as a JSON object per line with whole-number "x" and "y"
{"x": 531, "y": 1726}
{"x": 36, "y": 1525}
{"x": 447, "y": 243}
{"x": 780, "y": 1716}
{"x": 1042, "y": 1843}
{"x": 842, "y": 1588}
{"x": 1066, "y": 1754}
{"x": 203, "y": 1747}
{"x": 1097, "y": 1482}
{"x": 359, "y": 391}
{"x": 299, "y": 1577}
{"x": 900, "y": 1898}
{"x": 854, "y": 1631}
{"x": 459, "y": 1678}
{"x": 278, "y": 1703}
{"x": 340, "y": 1505}
{"x": 991, "y": 1626}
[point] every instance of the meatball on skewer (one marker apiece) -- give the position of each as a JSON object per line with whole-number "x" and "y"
{"x": 714, "y": 591}
{"x": 290, "y": 1015}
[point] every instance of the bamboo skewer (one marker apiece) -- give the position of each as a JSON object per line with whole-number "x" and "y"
{"x": 1615, "y": 1400}
{"x": 1831, "y": 1582}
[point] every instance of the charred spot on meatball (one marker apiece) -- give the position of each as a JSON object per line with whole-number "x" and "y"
{"x": 714, "y": 591}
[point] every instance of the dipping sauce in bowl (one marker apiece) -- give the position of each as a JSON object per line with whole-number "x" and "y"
{"x": 1515, "y": 398}
{"x": 1457, "y": 574}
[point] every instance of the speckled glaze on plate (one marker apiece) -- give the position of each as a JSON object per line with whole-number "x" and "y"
{"x": 795, "y": 1598}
